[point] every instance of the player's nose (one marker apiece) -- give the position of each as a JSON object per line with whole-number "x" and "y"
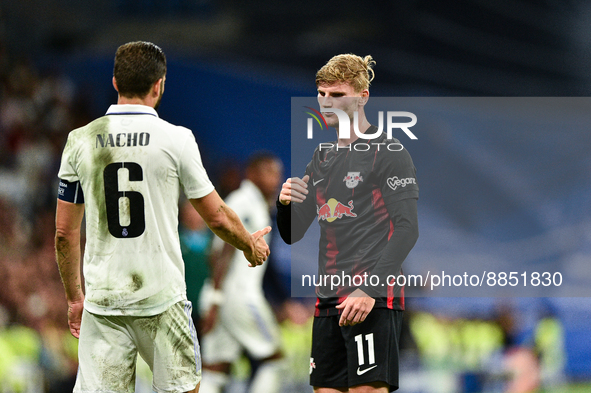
{"x": 325, "y": 102}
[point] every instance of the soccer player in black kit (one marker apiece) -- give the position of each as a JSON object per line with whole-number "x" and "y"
{"x": 365, "y": 200}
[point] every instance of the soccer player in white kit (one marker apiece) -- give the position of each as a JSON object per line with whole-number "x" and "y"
{"x": 238, "y": 317}
{"x": 125, "y": 170}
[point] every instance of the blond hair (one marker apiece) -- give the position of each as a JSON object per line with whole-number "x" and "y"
{"x": 347, "y": 68}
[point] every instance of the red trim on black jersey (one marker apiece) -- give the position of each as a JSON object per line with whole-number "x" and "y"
{"x": 391, "y": 230}
{"x": 391, "y": 297}
{"x": 331, "y": 251}
{"x": 380, "y": 210}
{"x": 379, "y": 207}
{"x": 375, "y": 157}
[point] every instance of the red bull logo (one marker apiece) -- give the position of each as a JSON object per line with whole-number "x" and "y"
{"x": 334, "y": 209}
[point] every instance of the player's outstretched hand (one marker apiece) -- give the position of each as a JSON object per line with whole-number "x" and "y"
{"x": 75, "y": 309}
{"x": 294, "y": 189}
{"x": 355, "y": 308}
{"x": 261, "y": 249}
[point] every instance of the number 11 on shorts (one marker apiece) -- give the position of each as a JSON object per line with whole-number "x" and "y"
{"x": 370, "y": 349}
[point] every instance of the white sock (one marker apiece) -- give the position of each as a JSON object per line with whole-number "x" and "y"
{"x": 268, "y": 377}
{"x": 213, "y": 381}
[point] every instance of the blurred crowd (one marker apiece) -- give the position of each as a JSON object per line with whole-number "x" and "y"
{"x": 37, "y": 110}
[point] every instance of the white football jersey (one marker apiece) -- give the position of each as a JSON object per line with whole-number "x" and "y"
{"x": 241, "y": 280}
{"x": 131, "y": 165}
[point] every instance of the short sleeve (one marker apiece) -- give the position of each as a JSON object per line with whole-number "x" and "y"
{"x": 192, "y": 174}
{"x": 67, "y": 169}
{"x": 396, "y": 175}
{"x": 70, "y": 192}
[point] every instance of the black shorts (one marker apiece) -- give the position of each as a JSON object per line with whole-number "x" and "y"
{"x": 354, "y": 355}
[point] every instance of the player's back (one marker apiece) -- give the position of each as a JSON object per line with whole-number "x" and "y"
{"x": 130, "y": 165}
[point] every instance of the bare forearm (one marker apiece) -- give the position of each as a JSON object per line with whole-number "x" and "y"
{"x": 67, "y": 250}
{"x": 229, "y": 228}
{"x": 226, "y": 224}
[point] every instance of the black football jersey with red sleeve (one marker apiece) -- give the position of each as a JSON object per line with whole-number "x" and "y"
{"x": 351, "y": 189}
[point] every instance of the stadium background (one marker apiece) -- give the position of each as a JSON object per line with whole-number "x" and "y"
{"x": 233, "y": 68}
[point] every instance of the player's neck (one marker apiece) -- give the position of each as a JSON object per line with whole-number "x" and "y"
{"x": 135, "y": 101}
{"x": 363, "y": 126}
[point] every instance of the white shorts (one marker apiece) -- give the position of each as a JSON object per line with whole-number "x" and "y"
{"x": 109, "y": 345}
{"x": 244, "y": 323}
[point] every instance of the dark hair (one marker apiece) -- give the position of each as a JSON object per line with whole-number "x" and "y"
{"x": 138, "y": 65}
{"x": 260, "y": 157}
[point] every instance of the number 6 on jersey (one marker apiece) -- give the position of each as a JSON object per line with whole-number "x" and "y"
{"x": 113, "y": 200}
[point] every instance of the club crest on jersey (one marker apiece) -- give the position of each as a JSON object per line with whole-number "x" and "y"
{"x": 334, "y": 209}
{"x": 352, "y": 179}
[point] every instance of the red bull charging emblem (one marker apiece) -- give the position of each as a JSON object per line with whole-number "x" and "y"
{"x": 334, "y": 209}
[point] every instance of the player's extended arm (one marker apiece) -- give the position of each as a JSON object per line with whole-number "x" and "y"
{"x": 219, "y": 262}
{"x": 403, "y": 214}
{"x": 293, "y": 226}
{"x": 406, "y": 232}
{"x": 68, "y": 219}
{"x": 226, "y": 224}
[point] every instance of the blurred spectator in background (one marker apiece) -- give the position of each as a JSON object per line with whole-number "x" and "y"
{"x": 36, "y": 112}
{"x": 239, "y": 318}
{"x": 195, "y": 239}
{"x": 229, "y": 178}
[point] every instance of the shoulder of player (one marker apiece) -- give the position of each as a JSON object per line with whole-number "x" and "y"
{"x": 310, "y": 167}
{"x": 320, "y": 153}
{"x": 173, "y": 128}
{"x": 234, "y": 198}
{"x": 179, "y": 135}
{"x": 316, "y": 154}
{"x": 390, "y": 152}
{"x": 387, "y": 147}
{"x": 238, "y": 201}
{"x": 103, "y": 125}
{"x": 78, "y": 135}
{"x": 244, "y": 196}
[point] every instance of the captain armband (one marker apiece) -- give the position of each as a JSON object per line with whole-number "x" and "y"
{"x": 70, "y": 191}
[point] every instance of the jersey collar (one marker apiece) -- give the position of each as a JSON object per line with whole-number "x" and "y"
{"x": 128, "y": 109}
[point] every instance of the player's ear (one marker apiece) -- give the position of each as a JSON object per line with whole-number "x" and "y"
{"x": 364, "y": 97}
{"x": 115, "y": 84}
{"x": 158, "y": 87}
